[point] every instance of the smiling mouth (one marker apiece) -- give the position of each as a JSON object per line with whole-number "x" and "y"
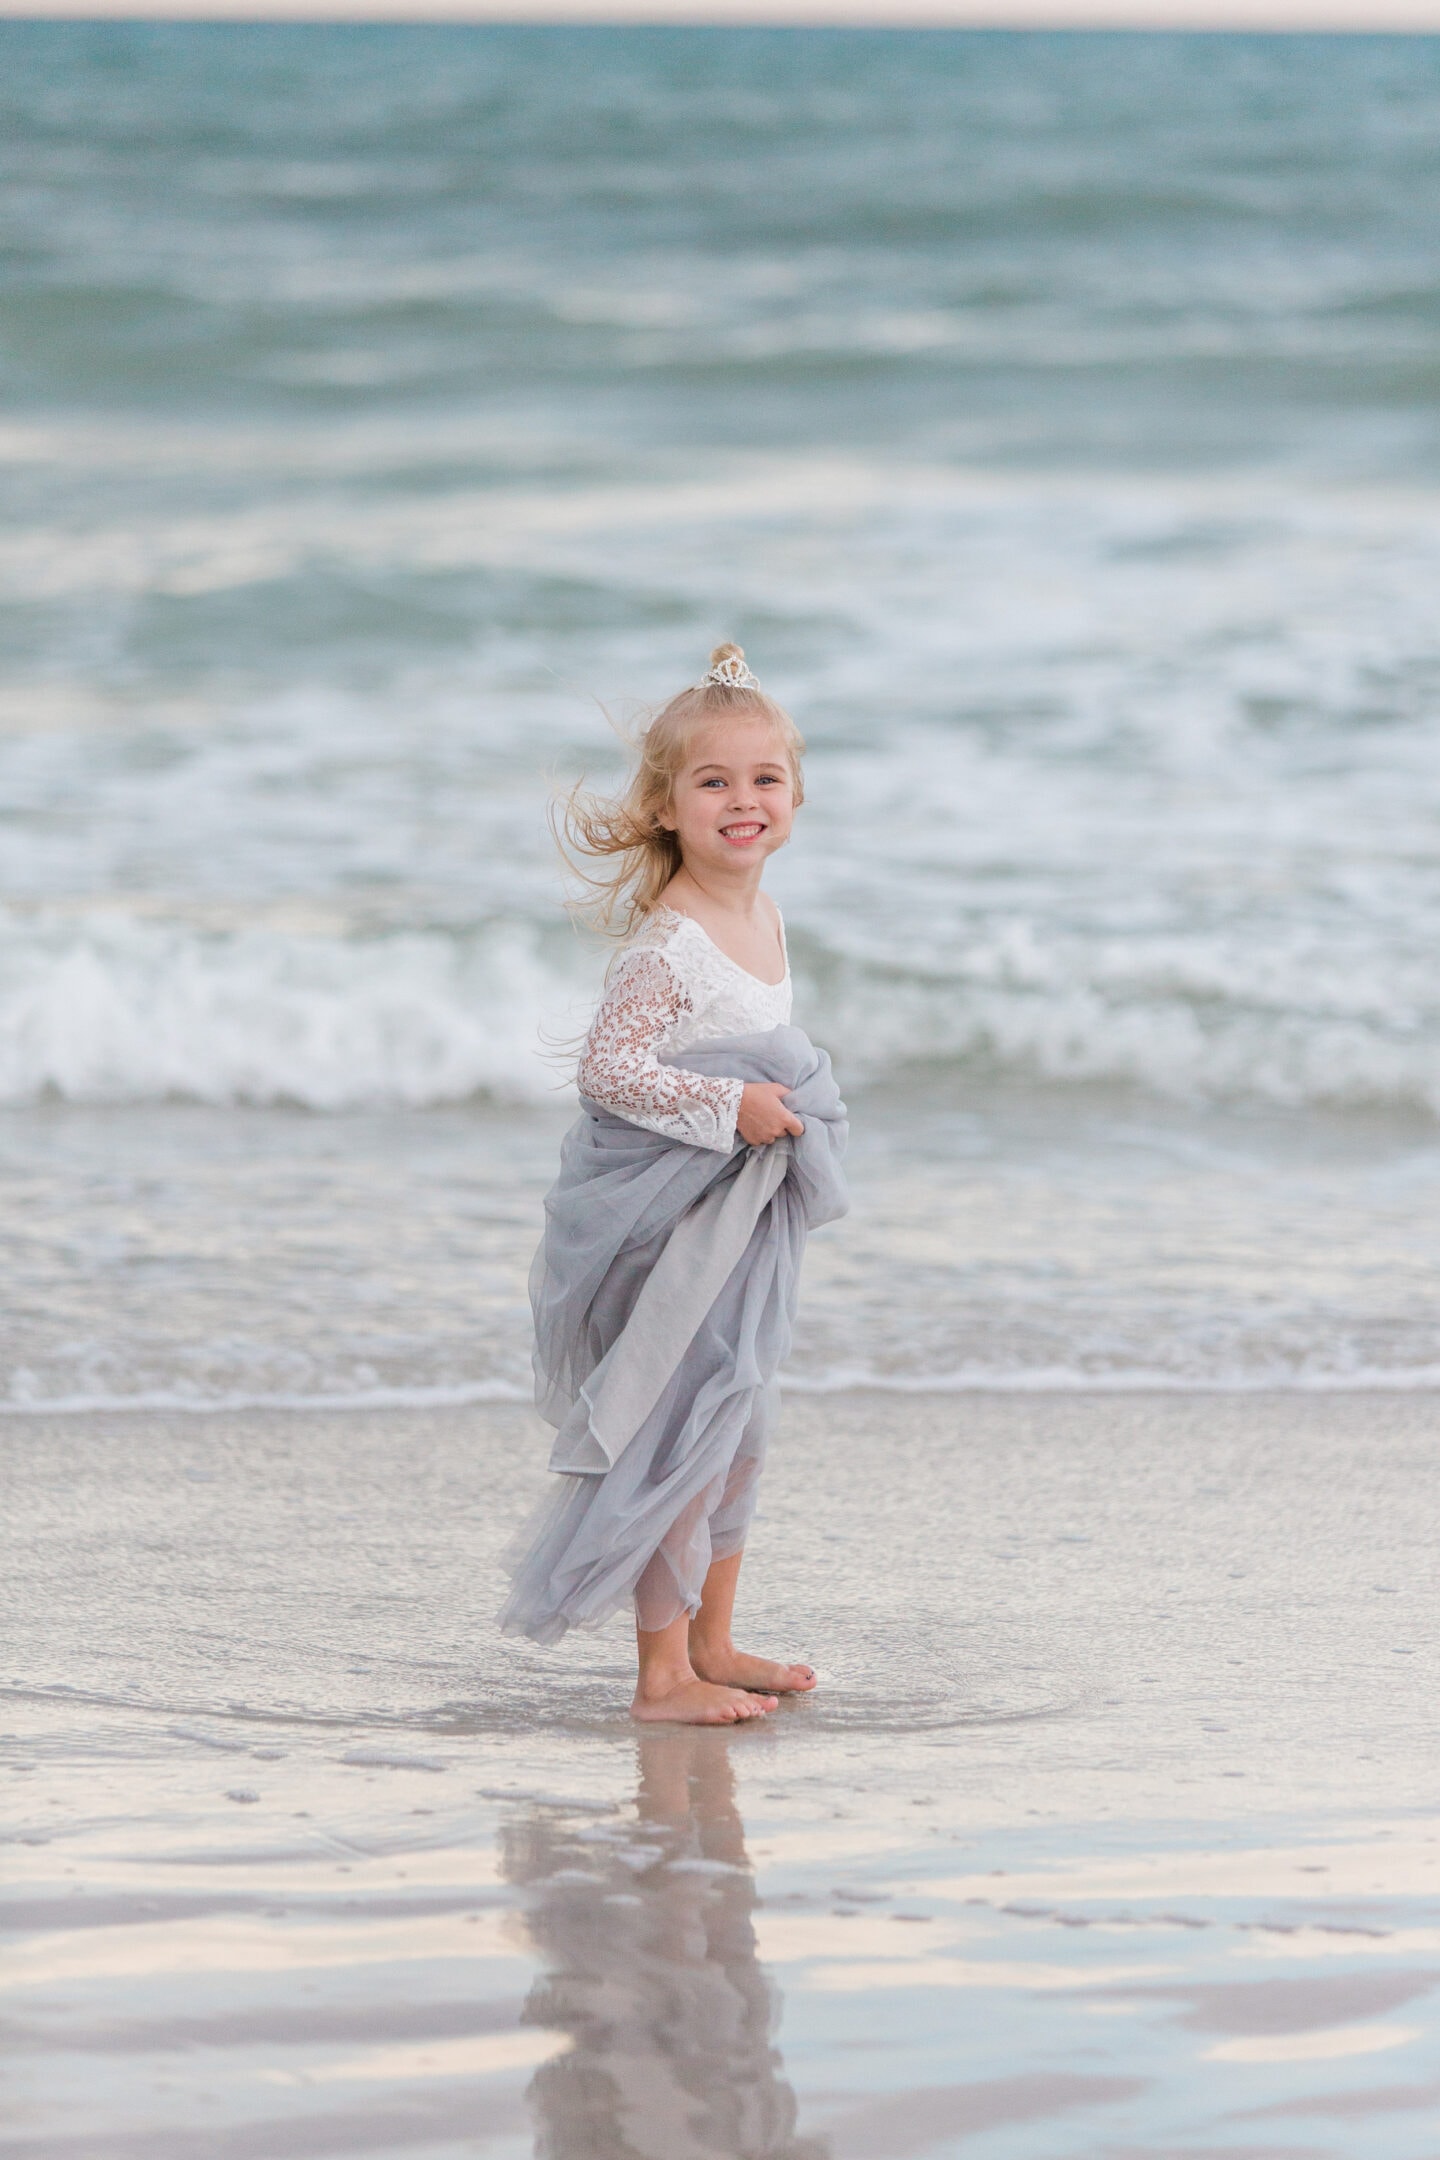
{"x": 741, "y": 832}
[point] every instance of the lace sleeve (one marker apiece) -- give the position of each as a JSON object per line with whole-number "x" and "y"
{"x": 621, "y": 1070}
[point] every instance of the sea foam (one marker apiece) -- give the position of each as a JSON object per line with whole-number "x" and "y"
{"x": 108, "y": 1006}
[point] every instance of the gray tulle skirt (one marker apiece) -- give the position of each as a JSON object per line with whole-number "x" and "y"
{"x": 664, "y": 1296}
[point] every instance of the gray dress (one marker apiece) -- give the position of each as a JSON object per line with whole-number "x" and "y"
{"x": 665, "y": 1286}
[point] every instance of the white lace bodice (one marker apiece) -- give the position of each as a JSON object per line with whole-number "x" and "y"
{"x": 670, "y": 988}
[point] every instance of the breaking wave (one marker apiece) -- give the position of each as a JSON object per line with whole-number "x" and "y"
{"x": 112, "y": 1007}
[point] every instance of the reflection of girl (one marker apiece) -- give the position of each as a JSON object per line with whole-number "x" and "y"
{"x": 653, "y": 1972}
{"x": 664, "y": 1290}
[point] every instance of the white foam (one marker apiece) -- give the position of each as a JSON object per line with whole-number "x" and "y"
{"x": 109, "y": 1008}
{"x": 203, "y": 1738}
{"x": 1113, "y": 779}
{"x": 1107, "y": 1019}
{"x": 1298, "y": 1376}
{"x": 379, "y": 1758}
{"x": 1265, "y": 1379}
{"x": 29, "y": 1402}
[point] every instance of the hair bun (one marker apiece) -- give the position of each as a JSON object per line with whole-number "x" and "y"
{"x": 727, "y": 670}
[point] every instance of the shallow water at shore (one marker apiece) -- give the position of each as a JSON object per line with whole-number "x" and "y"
{"x": 180, "y": 1255}
{"x": 1112, "y": 1827}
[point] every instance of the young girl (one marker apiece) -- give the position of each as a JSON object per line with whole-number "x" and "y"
{"x": 708, "y": 1145}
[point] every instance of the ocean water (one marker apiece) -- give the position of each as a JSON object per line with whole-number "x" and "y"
{"x": 1055, "y": 419}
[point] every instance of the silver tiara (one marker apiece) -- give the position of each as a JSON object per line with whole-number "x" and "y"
{"x": 731, "y": 673}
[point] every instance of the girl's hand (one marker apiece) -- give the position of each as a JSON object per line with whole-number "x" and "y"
{"x": 762, "y": 1116}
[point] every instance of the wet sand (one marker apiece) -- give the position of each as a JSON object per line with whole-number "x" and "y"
{"x": 1111, "y": 1831}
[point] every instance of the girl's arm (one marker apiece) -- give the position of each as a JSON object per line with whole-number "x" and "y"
{"x": 644, "y": 1001}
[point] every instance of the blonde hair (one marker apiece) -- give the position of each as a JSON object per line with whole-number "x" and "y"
{"x": 625, "y": 831}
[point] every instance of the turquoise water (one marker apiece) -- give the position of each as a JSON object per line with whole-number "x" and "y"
{"x": 1056, "y": 419}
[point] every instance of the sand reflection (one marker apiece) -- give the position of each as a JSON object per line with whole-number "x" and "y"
{"x": 646, "y": 1933}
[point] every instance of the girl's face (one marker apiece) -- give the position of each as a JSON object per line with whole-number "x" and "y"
{"x": 734, "y": 800}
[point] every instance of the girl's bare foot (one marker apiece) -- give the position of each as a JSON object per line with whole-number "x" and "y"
{"x": 734, "y": 1668}
{"x": 690, "y": 1701}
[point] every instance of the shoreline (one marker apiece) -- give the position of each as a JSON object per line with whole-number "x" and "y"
{"x": 1142, "y": 1573}
{"x": 487, "y": 1395}
{"x": 1115, "y": 1814}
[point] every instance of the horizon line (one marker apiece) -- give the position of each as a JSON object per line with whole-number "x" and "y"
{"x": 1201, "y": 17}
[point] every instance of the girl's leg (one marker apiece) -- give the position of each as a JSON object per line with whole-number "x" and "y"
{"x": 670, "y": 1691}
{"x": 712, "y": 1652}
